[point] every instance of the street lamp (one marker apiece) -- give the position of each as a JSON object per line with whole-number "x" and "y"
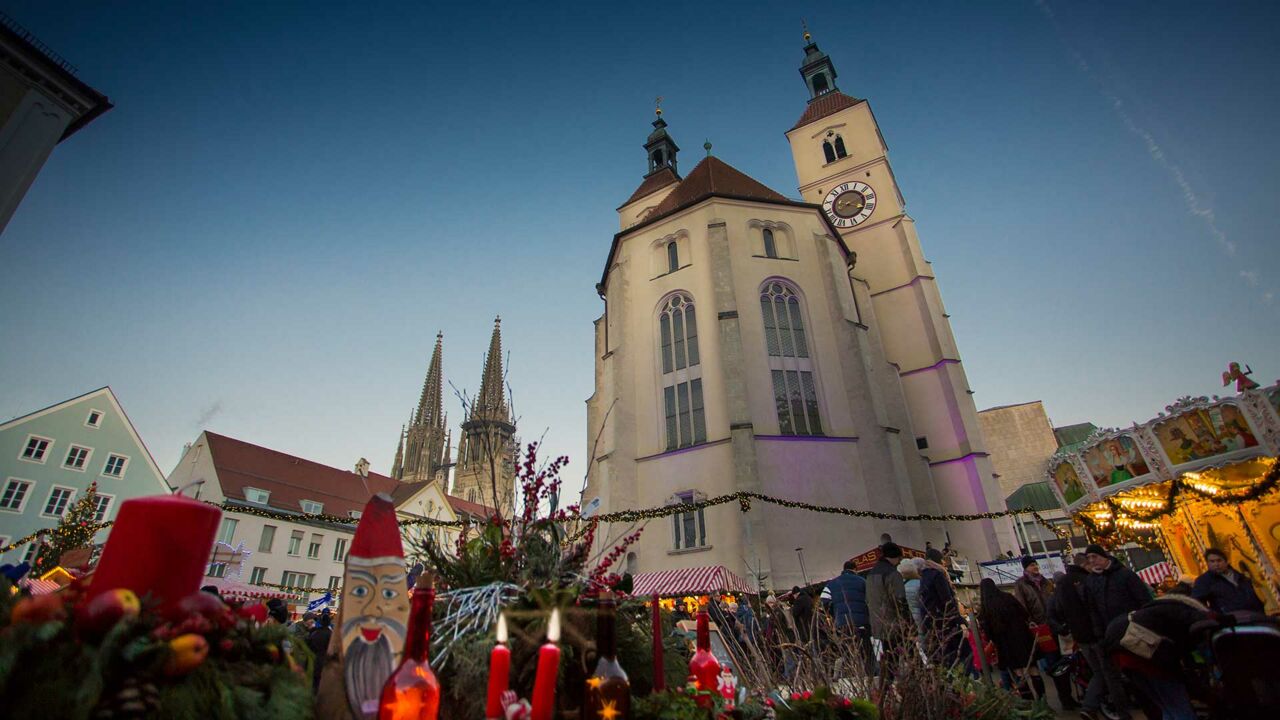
{"x": 803, "y": 574}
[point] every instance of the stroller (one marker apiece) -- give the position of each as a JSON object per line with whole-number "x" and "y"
{"x": 1244, "y": 677}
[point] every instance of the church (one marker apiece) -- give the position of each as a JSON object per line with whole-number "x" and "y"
{"x": 793, "y": 347}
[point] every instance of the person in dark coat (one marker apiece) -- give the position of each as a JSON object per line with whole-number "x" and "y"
{"x": 1111, "y": 590}
{"x": 802, "y": 613}
{"x": 941, "y": 612}
{"x": 1161, "y": 677}
{"x": 1007, "y": 625}
{"x": 318, "y": 641}
{"x": 1224, "y": 589}
{"x": 887, "y": 606}
{"x": 1033, "y": 591}
{"x": 849, "y": 608}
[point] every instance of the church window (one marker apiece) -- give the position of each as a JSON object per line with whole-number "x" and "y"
{"x": 840, "y": 151}
{"x": 794, "y": 389}
{"x": 820, "y": 84}
{"x": 684, "y": 412}
{"x": 673, "y": 256}
{"x": 770, "y": 247}
{"x": 828, "y": 151}
{"x": 689, "y": 528}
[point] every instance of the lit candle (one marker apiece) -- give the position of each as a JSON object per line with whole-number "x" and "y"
{"x": 659, "y": 681}
{"x": 544, "y": 684}
{"x": 159, "y": 546}
{"x": 499, "y": 670}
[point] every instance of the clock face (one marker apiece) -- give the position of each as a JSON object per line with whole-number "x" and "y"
{"x": 849, "y": 204}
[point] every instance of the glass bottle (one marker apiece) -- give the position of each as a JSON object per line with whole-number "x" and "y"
{"x": 413, "y": 692}
{"x": 608, "y": 693}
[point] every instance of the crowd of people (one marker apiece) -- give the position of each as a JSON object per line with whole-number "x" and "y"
{"x": 1084, "y": 630}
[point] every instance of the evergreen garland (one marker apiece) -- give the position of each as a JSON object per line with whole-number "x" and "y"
{"x": 75, "y": 531}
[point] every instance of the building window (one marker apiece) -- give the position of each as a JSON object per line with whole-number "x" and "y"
{"x": 257, "y": 576}
{"x": 101, "y": 507}
{"x": 673, "y": 256}
{"x": 36, "y": 448}
{"x": 295, "y": 543}
{"x": 340, "y": 550}
{"x": 770, "y": 247}
{"x": 922, "y": 443}
{"x": 354, "y": 514}
{"x": 115, "y": 465}
{"x": 794, "y": 389}
{"x": 840, "y": 151}
{"x": 297, "y": 579}
{"x": 94, "y": 420}
{"x": 4, "y": 540}
{"x": 256, "y": 496}
{"x": 216, "y": 569}
{"x": 313, "y": 550}
{"x": 29, "y": 555}
{"x": 77, "y": 456}
{"x": 334, "y": 582}
{"x": 689, "y": 528}
{"x": 311, "y": 507}
{"x": 268, "y": 538}
{"x": 228, "y": 530}
{"x": 828, "y": 151}
{"x": 58, "y": 500}
{"x": 681, "y": 374}
{"x": 15, "y": 495}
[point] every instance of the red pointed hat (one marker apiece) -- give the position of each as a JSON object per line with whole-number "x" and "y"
{"x": 377, "y": 540}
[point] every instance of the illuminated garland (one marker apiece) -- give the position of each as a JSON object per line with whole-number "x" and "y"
{"x": 47, "y": 531}
{"x": 1179, "y": 485}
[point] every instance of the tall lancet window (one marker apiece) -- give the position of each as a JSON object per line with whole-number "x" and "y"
{"x": 794, "y": 391}
{"x": 673, "y": 256}
{"x": 681, "y": 373}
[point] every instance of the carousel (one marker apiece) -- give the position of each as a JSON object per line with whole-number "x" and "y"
{"x": 1203, "y": 474}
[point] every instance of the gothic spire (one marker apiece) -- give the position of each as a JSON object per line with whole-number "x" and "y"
{"x": 429, "y": 406}
{"x": 397, "y": 469}
{"x": 491, "y": 400}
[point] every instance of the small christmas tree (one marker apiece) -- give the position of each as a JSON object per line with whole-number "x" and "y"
{"x": 76, "y": 530}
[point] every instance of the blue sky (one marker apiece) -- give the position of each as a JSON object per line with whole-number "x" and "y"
{"x": 290, "y": 199}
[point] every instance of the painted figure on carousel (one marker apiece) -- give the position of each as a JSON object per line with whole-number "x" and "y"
{"x": 372, "y": 618}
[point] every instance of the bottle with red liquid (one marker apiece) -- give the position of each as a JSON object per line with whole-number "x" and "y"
{"x": 703, "y": 666}
{"x": 413, "y": 692}
{"x": 608, "y": 694}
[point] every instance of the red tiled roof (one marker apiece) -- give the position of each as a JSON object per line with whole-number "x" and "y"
{"x": 289, "y": 479}
{"x": 466, "y": 506}
{"x": 824, "y": 105}
{"x": 653, "y": 183}
{"x": 713, "y": 176}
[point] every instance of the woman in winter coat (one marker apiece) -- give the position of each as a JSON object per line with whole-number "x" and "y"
{"x": 910, "y": 569}
{"x": 1007, "y": 624}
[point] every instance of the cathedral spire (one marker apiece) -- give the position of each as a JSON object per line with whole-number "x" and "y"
{"x": 491, "y": 400}
{"x": 429, "y": 406}
{"x": 397, "y": 466}
{"x": 816, "y": 69}
{"x": 661, "y": 148}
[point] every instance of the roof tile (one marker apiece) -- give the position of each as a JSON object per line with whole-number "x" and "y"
{"x": 824, "y": 105}
{"x": 713, "y": 176}
{"x": 653, "y": 183}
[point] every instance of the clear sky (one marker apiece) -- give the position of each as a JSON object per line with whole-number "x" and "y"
{"x": 290, "y": 199}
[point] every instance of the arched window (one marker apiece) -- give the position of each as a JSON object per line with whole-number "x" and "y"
{"x": 770, "y": 248}
{"x": 828, "y": 151}
{"x": 840, "y": 151}
{"x": 794, "y": 391}
{"x": 673, "y": 256}
{"x": 681, "y": 373}
{"x": 820, "y": 84}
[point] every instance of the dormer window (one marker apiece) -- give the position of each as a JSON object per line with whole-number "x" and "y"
{"x": 354, "y": 514}
{"x": 311, "y": 507}
{"x": 256, "y": 496}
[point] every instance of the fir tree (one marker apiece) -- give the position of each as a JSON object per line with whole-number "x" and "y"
{"x": 76, "y": 530}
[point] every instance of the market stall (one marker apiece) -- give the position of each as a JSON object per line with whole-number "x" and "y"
{"x": 1203, "y": 474}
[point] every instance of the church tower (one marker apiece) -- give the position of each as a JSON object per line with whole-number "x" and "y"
{"x": 422, "y": 452}
{"x": 842, "y": 165}
{"x": 486, "y": 450}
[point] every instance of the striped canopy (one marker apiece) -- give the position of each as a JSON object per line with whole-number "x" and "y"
{"x": 690, "y": 581}
{"x": 235, "y": 590}
{"x": 1154, "y": 574}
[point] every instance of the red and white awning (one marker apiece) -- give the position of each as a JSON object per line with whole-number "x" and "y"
{"x": 37, "y": 586}
{"x": 236, "y": 590}
{"x": 1154, "y": 574}
{"x": 690, "y": 581}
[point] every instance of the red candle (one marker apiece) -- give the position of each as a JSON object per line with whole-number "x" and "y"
{"x": 659, "y": 681}
{"x": 544, "y": 684}
{"x": 703, "y": 666}
{"x": 499, "y": 670}
{"x": 159, "y": 546}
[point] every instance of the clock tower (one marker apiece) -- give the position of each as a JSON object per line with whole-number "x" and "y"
{"x": 842, "y": 164}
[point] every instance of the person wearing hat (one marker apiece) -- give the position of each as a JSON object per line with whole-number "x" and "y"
{"x": 1033, "y": 591}
{"x": 277, "y": 611}
{"x": 940, "y": 612}
{"x": 1111, "y": 591}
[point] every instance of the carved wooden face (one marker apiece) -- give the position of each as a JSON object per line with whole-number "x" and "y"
{"x": 375, "y": 613}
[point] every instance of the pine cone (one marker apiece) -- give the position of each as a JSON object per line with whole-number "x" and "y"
{"x": 133, "y": 700}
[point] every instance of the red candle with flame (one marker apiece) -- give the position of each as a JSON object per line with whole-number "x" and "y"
{"x": 499, "y": 671}
{"x": 544, "y": 685}
{"x": 703, "y": 666}
{"x": 413, "y": 692}
{"x": 159, "y": 546}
